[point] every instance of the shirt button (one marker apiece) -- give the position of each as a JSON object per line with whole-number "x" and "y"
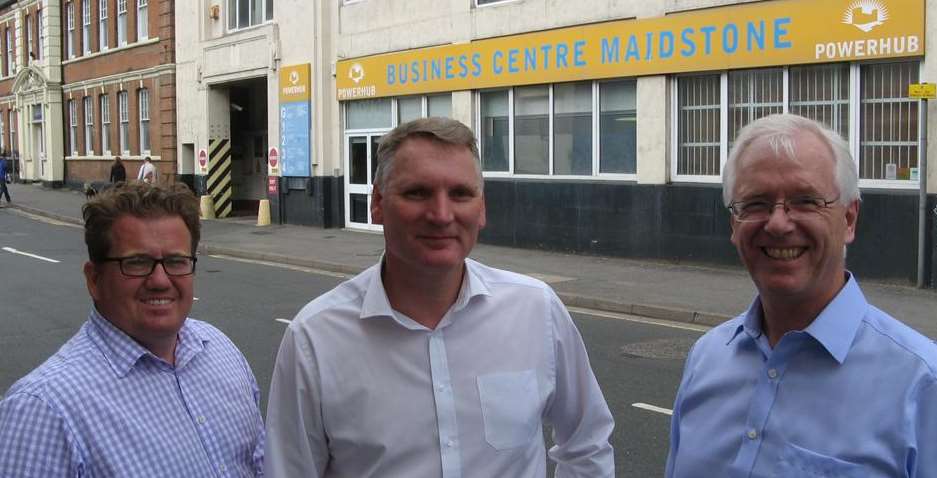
{"x": 752, "y": 434}
{"x": 450, "y": 443}
{"x": 773, "y": 374}
{"x": 441, "y": 387}
{"x": 200, "y": 419}
{"x": 223, "y": 468}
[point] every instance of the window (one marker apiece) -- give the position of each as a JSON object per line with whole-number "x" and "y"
{"x": 13, "y": 138}
{"x": 121, "y": 22}
{"x": 86, "y": 26}
{"x": 439, "y": 105}
{"x": 866, "y": 100}
{"x": 143, "y": 96}
{"x": 572, "y": 128}
{"x": 821, "y": 92}
{"x": 102, "y": 25}
{"x": 409, "y": 108}
{"x": 39, "y": 30}
{"x": 124, "y": 116}
{"x": 495, "y": 130}
{"x": 29, "y": 40}
{"x": 699, "y": 128}
{"x": 618, "y": 127}
{"x": 70, "y": 36}
{"x": 753, "y": 94}
{"x": 143, "y": 27}
{"x": 89, "y": 125}
{"x": 2, "y": 136}
{"x": 888, "y": 133}
{"x": 105, "y": 124}
{"x": 247, "y": 13}
{"x": 10, "y": 65}
{"x": 368, "y": 114}
{"x": 73, "y": 123}
{"x": 583, "y": 129}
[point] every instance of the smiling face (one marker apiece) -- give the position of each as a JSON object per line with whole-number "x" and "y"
{"x": 793, "y": 260}
{"x": 431, "y": 207}
{"x": 150, "y": 309}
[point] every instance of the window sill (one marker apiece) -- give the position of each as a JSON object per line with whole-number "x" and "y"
{"x": 129, "y": 46}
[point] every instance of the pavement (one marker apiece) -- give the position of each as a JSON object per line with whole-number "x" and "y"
{"x": 687, "y": 293}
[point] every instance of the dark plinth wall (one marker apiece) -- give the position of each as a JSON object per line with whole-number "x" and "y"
{"x": 685, "y": 223}
{"x": 315, "y": 201}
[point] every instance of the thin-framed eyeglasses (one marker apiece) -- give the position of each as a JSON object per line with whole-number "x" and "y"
{"x": 142, "y": 266}
{"x": 760, "y": 210}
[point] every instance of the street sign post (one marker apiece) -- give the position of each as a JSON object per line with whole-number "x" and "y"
{"x": 922, "y": 92}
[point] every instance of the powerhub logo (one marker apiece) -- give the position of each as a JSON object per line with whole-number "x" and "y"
{"x": 356, "y": 74}
{"x": 866, "y": 14}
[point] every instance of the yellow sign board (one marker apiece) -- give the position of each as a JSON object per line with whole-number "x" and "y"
{"x": 923, "y": 91}
{"x": 294, "y": 83}
{"x": 782, "y": 32}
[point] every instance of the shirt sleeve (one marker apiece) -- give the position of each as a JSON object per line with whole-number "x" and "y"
{"x": 675, "y": 417}
{"x": 296, "y": 444}
{"x": 582, "y": 422}
{"x": 258, "y": 454}
{"x": 925, "y": 464}
{"x": 35, "y": 440}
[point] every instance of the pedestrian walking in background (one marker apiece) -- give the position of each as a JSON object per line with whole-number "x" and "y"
{"x": 811, "y": 380}
{"x": 430, "y": 364}
{"x": 147, "y": 172}
{"x": 4, "y": 171}
{"x": 118, "y": 171}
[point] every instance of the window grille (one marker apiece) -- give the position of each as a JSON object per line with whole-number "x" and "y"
{"x": 821, "y": 93}
{"x": 888, "y": 138}
{"x": 753, "y": 94}
{"x": 699, "y": 129}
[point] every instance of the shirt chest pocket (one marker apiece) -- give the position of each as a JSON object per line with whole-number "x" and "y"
{"x": 797, "y": 462}
{"x": 510, "y": 405}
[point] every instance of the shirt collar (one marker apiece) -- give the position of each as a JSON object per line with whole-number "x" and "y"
{"x": 123, "y": 352}
{"x": 376, "y": 303}
{"x": 835, "y": 327}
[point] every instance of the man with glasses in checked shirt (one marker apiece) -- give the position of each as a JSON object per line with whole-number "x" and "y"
{"x": 811, "y": 380}
{"x": 141, "y": 390}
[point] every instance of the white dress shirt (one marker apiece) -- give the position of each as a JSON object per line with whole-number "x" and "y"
{"x": 360, "y": 390}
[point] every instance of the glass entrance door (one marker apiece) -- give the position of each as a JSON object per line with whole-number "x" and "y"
{"x": 360, "y": 164}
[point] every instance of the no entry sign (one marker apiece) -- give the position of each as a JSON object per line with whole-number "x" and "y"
{"x": 203, "y": 160}
{"x": 273, "y": 160}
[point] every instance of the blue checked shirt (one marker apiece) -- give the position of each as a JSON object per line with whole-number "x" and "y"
{"x": 104, "y": 406}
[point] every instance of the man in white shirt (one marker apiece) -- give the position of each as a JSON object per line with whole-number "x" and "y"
{"x": 147, "y": 172}
{"x": 429, "y": 364}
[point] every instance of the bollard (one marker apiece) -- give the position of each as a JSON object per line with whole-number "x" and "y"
{"x": 207, "y": 207}
{"x": 263, "y": 213}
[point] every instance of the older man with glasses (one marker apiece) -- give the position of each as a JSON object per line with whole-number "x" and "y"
{"x": 141, "y": 390}
{"x": 811, "y": 380}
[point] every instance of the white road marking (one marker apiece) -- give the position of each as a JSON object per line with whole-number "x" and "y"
{"x": 285, "y": 321}
{"x": 641, "y": 320}
{"x": 14, "y": 251}
{"x": 283, "y": 266}
{"x": 195, "y": 298}
{"x": 645, "y": 406}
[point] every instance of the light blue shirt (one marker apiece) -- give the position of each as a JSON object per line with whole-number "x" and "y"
{"x": 360, "y": 390}
{"x": 104, "y": 406}
{"x": 852, "y": 395}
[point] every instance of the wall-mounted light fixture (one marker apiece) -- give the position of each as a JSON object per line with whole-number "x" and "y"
{"x": 214, "y": 12}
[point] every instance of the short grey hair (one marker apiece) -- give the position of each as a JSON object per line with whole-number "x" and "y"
{"x": 780, "y": 130}
{"x": 443, "y": 130}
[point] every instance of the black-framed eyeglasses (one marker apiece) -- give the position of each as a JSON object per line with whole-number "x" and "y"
{"x": 142, "y": 266}
{"x": 760, "y": 210}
